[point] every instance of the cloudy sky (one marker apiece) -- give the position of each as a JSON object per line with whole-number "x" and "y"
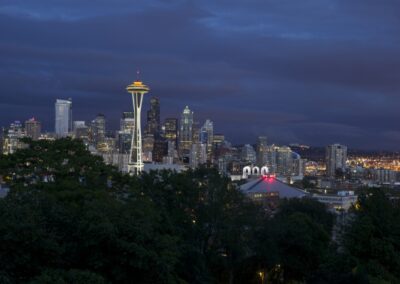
{"x": 311, "y": 71}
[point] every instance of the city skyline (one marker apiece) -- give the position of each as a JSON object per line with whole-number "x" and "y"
{"x": 113, "y": 130}
{"x": 285, "y": 70}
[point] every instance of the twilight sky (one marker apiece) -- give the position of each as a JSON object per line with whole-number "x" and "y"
{"x": 311, "y": 71}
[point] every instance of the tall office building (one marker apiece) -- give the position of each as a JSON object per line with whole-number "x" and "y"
{"x": 124, "y": 142}
{"x": 153, "y": 118}
{"x": 148, "y": 147}
{"x": 171, "y": 130}
{"x": 270, "y": 158}
{"x": 81, "y": 131}
{"x": 127, "y": 122}
{"x": 298, "y": 165}
{"x": 198, "y": 155}
{"x": 261, "y": 150}
{"x": 63, "y": 117}
{"x": 11, "y": 139}
{"x": 284, "y": 161}
{"x": 160, "y": 150}
{"x": 336, "y": 157}
{"x": 124, "y": 135}
{"x": 98, "y": 129}
{"x": 78, "y": 124}
{"x": 33, "y": 128}
{"x": 248, "y": 154}
{"x": 186, "y": 132}
{"x": 207, "y": 137}
{"x": 203, "y": 136}
{"x": 218, "y": 140}
{"x": 196, "y": 132}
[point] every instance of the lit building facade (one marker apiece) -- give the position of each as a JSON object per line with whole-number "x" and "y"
{"x": 33, "y": 128}
{"x": 12, "y": 138}
{"x": 148, "y": 146}
{"x": 63, "y": 117}
{"x": 248, "y": 154}
{"x": 127, "y": 123}
{"x": 336, "y": 157}
{"x": 98, "y": 130}
{"x": 124, "y": 135}
{"x": 153, "y": 118}
{"x": 284, "y": 161}
{"x": 207, "y": 137}
{"x": 198, "y": 155}
{"x": 171, "y": 130}
{"x": 186, "y": 131}
{"x": 261, "y": 150}
{"x": 160, "y": 150}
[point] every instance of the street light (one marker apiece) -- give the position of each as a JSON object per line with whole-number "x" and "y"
{"x": 262, "y": 276}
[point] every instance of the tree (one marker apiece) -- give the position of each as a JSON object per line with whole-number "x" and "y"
{"x": 293, "y": 244}
{"x": 373, "y": 237}
{"x": 68, "y": 277}
{"x": 63, "y": 224}
{"x": 315, "y": 210}
{"x": 214, "y": 220}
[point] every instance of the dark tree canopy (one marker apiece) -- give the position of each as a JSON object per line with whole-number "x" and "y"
{"x": 69, "y": 218}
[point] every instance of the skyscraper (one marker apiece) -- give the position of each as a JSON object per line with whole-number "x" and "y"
{"x": 148, "y": 147}
{"x": 261, "y": 150}
{"x": 153, "y": 118}
{"x": 284, "y": 161}
{"x": 207, "y": 134}
{"x": 33, "y": 128}
{"x": 98, "y": 129}
{"x": 270, "y": 158}
{"x": 248, "y": 154}
{"x": 196, "y": 131}
{"x": 124, "y": 135}
{"x": 198, "y": 154}
{"x": 63, "y": 117}
{"x": 336, "y": 157}
{"x": 171, "y": 130}
{"x": 127, "y": 123}
{"x": 12, "y": 140}
{"x": 218, "y": 140}
{"x": 160, "y": 150}
{"x": 81, "y": 131}
{"x": 186, "y": 132}
{"x": 137, "y": 90}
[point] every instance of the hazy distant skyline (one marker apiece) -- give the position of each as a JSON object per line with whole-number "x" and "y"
{"x": 314, "y": 72}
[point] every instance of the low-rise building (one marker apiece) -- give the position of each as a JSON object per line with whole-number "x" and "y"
{"x": 343, "y": 200}
{"x": 267, "y": 190}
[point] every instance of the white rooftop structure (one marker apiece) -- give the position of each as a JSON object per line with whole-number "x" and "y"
{"x": 270, "y": 185}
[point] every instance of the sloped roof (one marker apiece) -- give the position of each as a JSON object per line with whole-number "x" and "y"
{"x": 271, "y": 184}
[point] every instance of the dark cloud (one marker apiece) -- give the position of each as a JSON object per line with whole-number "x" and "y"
{"x": 313, "y": 71}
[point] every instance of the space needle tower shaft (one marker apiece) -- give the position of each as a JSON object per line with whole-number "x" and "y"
{"x": 135, "y": 164}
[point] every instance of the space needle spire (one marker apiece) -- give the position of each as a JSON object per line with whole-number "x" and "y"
{"x": 137, "y": 89}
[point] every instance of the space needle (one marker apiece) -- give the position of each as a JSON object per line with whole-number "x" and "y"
{"x": 135, "y": 164}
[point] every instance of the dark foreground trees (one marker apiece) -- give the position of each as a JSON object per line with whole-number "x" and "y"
{"x": 71, "y": 219}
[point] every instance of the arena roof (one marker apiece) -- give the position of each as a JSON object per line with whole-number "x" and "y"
{"x": 271, "y": 184}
